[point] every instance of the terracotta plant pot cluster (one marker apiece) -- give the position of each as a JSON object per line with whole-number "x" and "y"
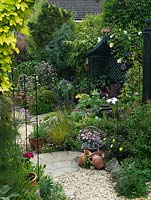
{"x": 96, "y": 158}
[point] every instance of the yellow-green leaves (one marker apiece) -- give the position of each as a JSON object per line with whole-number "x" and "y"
{"x": 12, "y": 17}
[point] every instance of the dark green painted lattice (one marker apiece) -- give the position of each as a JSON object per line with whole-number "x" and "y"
{"x": 117, "y": 74}
{"x": 97, "y": 67}
{"x": 100, "y": 65}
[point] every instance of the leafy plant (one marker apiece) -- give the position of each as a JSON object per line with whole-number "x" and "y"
{"x": 42, "y": 132}
{"x": 65, "y": 90}
{"x": 123, "y": 13}
{"x": 138, "y": 128}
{"x": 6, "y": 194}
{"x": 58, "y": 126}
{"x": 13, "y": 17}
{"x": 45, "y": 101}
{"x": 126, "y": 45}
{"x": 87, "y": 164}
{"x": 49, "y": 190}
{"x": 59, "y": 51}
{"x": 131, "y": 183}
{"x": 92, "y": 101}
{"x": 43, "y": 23}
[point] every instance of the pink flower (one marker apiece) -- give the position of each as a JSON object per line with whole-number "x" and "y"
{"x": 28, "y": 155}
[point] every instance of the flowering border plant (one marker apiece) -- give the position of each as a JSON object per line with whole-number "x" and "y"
{"x": 90, "y": 138}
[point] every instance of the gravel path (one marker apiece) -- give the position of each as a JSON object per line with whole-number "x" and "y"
{"x": 87, "y": 184}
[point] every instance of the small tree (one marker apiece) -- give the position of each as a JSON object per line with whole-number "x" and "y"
{"x": 43, "y": 23}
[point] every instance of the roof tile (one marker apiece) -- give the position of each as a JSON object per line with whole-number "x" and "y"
{"x": 80, "y": 8}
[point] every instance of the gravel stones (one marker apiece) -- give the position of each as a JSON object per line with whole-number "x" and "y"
{"x": 88, "y": 184}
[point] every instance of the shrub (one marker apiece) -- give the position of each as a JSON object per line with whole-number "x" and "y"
{"x": 60, "y": 51}
{"x": 132, "y": 181}
{"x": 92, "y": 101}
{"x": 65, "y": 91}
{"x": 49, "y": 190}
{"x": 138, "y": 128}
{"x": 43, "y": 23}
{"x": 45, "y": 102}
{"x": 123, "y": 13}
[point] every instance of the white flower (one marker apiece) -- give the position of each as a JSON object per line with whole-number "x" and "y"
{"x": 112, "y": 100}
{"x": 140, "y": 33}
{"x": 111, "y": 45}
{"x": 109, "y": 100}
{"x": 119, "y": 60}
{"x": 111, "y": 36}
{"x": 99, "y": 39}
{"x": 125, "y": 32}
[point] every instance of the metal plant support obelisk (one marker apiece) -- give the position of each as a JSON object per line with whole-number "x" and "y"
{"x": 147, "y": 62}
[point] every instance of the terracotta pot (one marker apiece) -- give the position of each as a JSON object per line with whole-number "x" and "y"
{"x": 36, "y": 144}
{"x": 82, "y": 157}
{"x": 97, "y": 160}
{"x": 86, "y": 66}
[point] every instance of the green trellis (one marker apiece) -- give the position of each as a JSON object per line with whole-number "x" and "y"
{"x": 102, "y": 63}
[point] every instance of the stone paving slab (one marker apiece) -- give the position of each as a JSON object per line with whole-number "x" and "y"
{"x": 59, "y": 163}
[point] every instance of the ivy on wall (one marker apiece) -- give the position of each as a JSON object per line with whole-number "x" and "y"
{"x": 13, "y": 14}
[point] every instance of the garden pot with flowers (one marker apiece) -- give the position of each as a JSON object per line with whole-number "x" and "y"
{"x": 37, "y": 137}
{"x": 91, "y": 142}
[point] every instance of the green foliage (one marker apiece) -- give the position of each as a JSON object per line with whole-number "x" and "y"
{"x": 57, "y": 124}
{"x": 13, "y": 15}
{"x": 45, "y": 73}
{"x": 24, "y": 68}
{"x": 42, "y": 26}
{"x": 8, "y": 134}
{"x": 123, "y": 13}
{"x": 132, "y": 88}
{"x": 87, "y": 164}
{"x": 5, "y": 193}
{"x": 49, "y": 190}
{"x": 132, "y": 181}
{"x": 42, "y": 132}
{"x": 58, "y": 54}
{"x": 126, "y": 44}
{"x": 92, "y": 101}
{"x": 45, "y": 101}
{"x": 65, "y": 91}
{"x": 138, "y": 127}
{"x": 86, "y": 37}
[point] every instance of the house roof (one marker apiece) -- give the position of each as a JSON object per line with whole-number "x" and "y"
{"x": 80, "y": 8}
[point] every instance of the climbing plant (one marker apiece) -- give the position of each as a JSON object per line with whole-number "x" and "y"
{"x": 13, "y": 15}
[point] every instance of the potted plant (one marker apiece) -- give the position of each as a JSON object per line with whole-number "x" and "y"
{"x": 37, "y": 138}
{"x": 32, "y": 177}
